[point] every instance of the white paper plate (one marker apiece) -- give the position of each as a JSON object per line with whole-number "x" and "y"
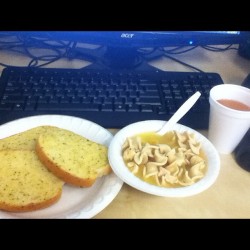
{"x": 119, "y": 167}
{"x": 75, "y": 202}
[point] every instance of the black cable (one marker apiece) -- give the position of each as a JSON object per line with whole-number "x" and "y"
{"x": 48, "y": 58}
{"x": 144, "y": 51}
{"x": 43, "y": 64}
{"x": 24, "y": 44}
{"x": 54, "y": 58}
{"x": 27, "y": 44}
{"x": 5, "y": 65}
{"x": 31, "y": 55}
{"x": 18, "y": 51}
{"x": 59, "y": 49}
{"x": 42, "y": 42}
{"x": 185, "y": 64}
{"x": 4, "y": 45}
{"x": 216, "y": 49}
{"x": 207, "y": 47}
{"x": 175, "y": 50}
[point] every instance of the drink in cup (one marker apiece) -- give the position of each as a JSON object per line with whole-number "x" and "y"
{"x": 229, "y": 118}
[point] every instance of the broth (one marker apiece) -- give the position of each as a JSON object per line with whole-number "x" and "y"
{"x": 234, "y": 104}
{"x": 169, "y": 139}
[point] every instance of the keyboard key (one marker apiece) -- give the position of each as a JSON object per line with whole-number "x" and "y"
{"x": 133, "y": 108}
{"x": 67, "y": 107}
{"x": 120, "y": 108}
{"x": 5, "y": 106}
{"x": 149, "y": 100}
{"x": 146, "y": 108}
{"x": 107, "y": 107}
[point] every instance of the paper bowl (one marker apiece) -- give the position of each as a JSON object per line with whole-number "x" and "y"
{"x": 121, "y": 170}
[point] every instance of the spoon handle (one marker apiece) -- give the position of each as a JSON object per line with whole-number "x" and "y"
{"x": 184, "y": 108}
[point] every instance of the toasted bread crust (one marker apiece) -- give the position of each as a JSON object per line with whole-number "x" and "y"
{"x": 32, "y": 206}
{"x": 73, "y": 158}
{"x": 56, "y": 170}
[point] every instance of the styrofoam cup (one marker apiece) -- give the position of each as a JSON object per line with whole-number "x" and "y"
{"x": 227, "y": 126}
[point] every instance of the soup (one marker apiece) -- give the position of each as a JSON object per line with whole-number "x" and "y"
{"x": 172, "y": 160}
{"x": 234, "y": 104}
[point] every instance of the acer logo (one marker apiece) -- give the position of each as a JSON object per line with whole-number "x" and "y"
{"x": 127, "y": 35}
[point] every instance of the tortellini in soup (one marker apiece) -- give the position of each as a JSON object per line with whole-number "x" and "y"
{"x": 172, "y": 160}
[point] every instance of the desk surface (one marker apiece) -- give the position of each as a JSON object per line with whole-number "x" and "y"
{"x": 228, "y": 197}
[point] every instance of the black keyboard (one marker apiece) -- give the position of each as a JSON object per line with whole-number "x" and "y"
{"x": 111, "y": 99}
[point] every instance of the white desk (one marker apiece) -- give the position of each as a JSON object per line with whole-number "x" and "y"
{"x": 229, "y": 197}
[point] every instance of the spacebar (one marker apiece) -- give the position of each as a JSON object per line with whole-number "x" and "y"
{"x": 67, "y": 107}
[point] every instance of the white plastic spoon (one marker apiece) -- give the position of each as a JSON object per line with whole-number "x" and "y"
{"x": 183, "y": 109}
